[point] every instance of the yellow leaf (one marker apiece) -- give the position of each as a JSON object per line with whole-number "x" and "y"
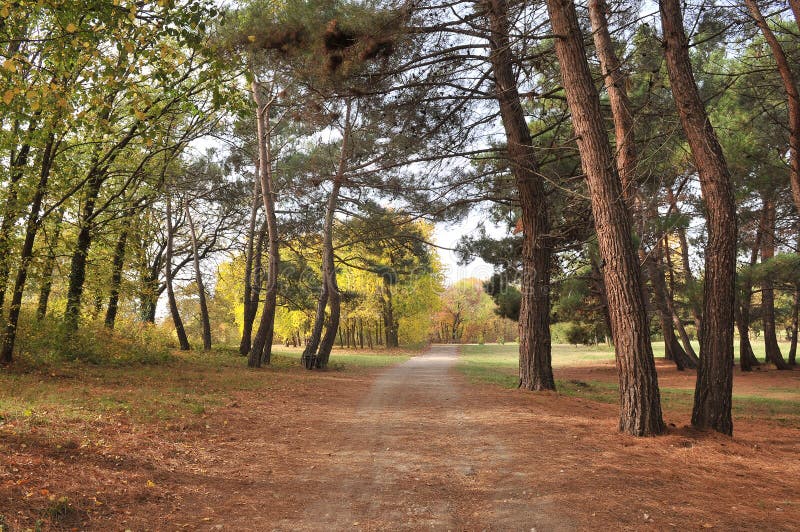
{"x": 251, "y": 38}
{"x": 35, "y": 105}
{"x": 8, "y": 96}
{"x": 151, "y": 484}
{"x": 71, "y": 28}
{"x": 4, "y": 12}
{"x": 10, "y": 65}
{"x": 139, "y": 115}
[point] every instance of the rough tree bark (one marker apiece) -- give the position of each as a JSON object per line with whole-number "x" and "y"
{"x": 535, "y": 368}
{"x": 117, "y": 264}
{"x": 771, "y": 348}
{"x": 789, "y": 87}
{"x": 250, "y": 304}
{"x": 261, "y": 350}
{"x": 328, "y": 265}
{"x": 712, "y": 398}
{"x": 747, "y": 358}
{"x": 640, "y": 401}
{"x": 795, "y": 323}
{"x": 676, "y": 320}
{"x": 183, "y": 340}
{"x": 198, "y": 277}
{"x": 26, "y": 255}
{"x": 18, "y": 161}
{"x": 48, "y": 267}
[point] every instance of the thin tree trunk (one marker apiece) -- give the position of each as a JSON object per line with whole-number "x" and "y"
{"x": 47, "y": 269}
{"x": 795, "y": 321}
{"x": 690, "y": 283}
{"x": 773, "y": 351}
{"x": 640, "y": 402}
{"x": 18, "y": 162}
{"x": 791, "y": 90}
{"x": 198, "y": 277}
{"x": 31, "y": 228}
{"x": 261, "y": 350}
{"x": 328, "y": 265}
{"x": 747, "y": 358}
{"x": 77, "y": 272}
{"x": 712, "y": 398}
{"x": 672, "y": 349}
{"x": 535, "y": 367}
{"x": 250, "y": 305}
{"x": 676, "y": 320}
{"x": 183, "y": 340}
{"x": 117, "y": 264}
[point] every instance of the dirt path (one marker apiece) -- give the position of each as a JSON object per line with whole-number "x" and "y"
{"x": 419, "y": 460}
{"x": 416, "y": 446}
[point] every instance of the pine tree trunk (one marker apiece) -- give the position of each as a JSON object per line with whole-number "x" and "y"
{"x": 47, "y": 269}
{"x": 773, "y": 351}
{"x": 183, "y": 340}
{"x": 712, "y": 399}
{"x": 26, "y": 255}
{"x": 672, "y": 349}
{"x": 747, "y": 358}
{"x": 198, "y": 277}
{"x": 640, "y": 402}
{"x": 535, "y": 368}
{"x": 790, "y": 88}
{"x": 328, "y": 264}
{"x": 690, "y": 283}
{"x": 117, "y": 264}
{"x": 676, "y": 320}
{"x": 261, "y": 350}
{"x": 795, "y": 322}
{"x": 250, "y": 305}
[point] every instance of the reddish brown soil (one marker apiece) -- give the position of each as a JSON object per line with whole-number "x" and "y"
{"x": 415, "y": 446}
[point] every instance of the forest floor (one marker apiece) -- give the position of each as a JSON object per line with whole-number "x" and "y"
{"x": 201, "y": 444}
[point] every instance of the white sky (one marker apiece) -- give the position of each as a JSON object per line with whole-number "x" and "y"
{"x": 448, "y": 235}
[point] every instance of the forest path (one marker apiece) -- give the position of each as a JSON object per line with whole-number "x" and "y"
{"x": 420, "y": 459}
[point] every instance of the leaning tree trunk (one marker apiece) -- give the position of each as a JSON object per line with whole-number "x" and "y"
{"x": 640, "y": 401}
{"x": 18, "y": 162}
{"x": 689, "y": 280}
{"x": 47, "y": 269}
{"x": 183, "y": 340}
{"x": 328, "y": 265}
{"x": 795, "y": 320}
{"x": 747, "y": 358}
{"x": 676, "y": 320}
{"x": 790, "y": 88}
{"x": 77, "y": 271}
{"x": 31, "y": 228}
{"x": 672, "y": 349}
{"x": 261, "y": 350}
{"x": 250, "y": 304}
{"x": 535, "y": 368}
{"x": 117, "y": 264}
{"x": 773, "y": 351}
{"x": 712, "y": 398}
{"x": 198, "y": 276}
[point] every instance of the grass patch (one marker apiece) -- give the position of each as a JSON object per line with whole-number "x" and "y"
{"x": 498, "y": 364}
{"x": 49, "y": 390}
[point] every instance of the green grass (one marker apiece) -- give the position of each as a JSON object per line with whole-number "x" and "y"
{"x": 43, "y": 391}
{"x": 498, "y": 364}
